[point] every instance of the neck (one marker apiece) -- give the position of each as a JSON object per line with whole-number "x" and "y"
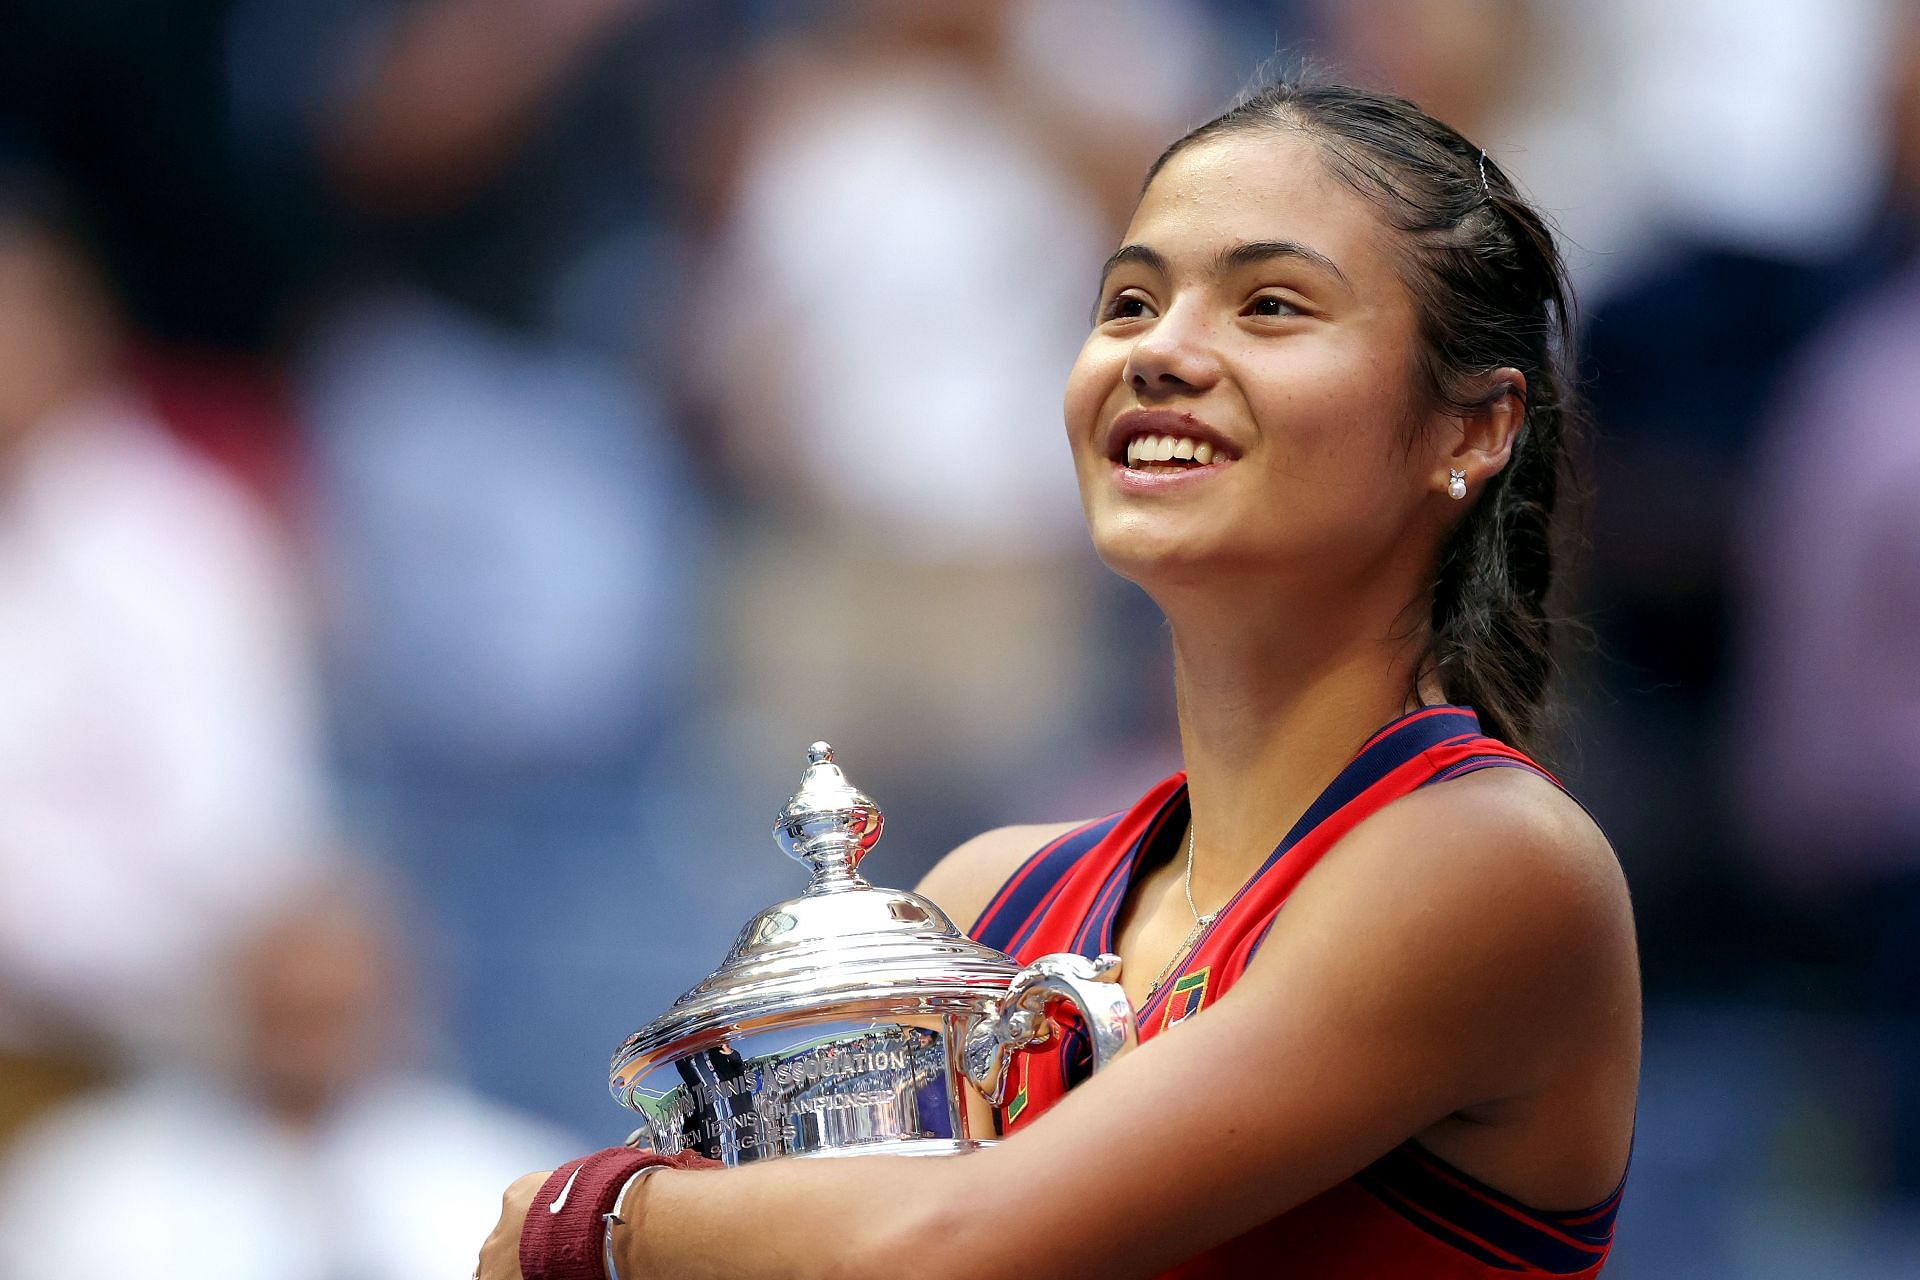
{"x": 1273, "y": 701}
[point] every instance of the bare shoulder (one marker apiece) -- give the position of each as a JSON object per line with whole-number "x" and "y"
{"x": 1498, "y": 828}
{"x": 1477, "y": 933}
{"x": 1499, "y": 871}
{"x": 964, "y": 882}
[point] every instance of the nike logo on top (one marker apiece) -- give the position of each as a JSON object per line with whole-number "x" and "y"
{"x": 560, "y": 1201}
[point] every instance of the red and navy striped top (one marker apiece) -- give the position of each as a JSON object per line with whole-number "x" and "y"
{"x": 1410, "y": 1214}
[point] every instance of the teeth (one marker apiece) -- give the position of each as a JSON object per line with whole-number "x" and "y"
{"x": 1142, "y": 450}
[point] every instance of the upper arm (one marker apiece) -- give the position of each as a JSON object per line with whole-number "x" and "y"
{"x": 1455, "y": 949}
{"x": 964, "y": 882}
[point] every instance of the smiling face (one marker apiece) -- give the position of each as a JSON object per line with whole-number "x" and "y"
{"x": 1253, "y": 324}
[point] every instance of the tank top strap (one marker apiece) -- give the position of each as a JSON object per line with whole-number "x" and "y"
{"x": 1397, "y": 759}
{"x": 1491, "y": 753}
{"x": 1494, "y": 754}
{"x": 1066, "y": 896}
{"x": 1059, "y": 886}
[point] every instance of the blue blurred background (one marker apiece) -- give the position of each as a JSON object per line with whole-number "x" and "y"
{"x": 456, "y": 454}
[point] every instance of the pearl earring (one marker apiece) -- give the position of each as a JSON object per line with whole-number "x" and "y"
{"x": 1456, "y": 483}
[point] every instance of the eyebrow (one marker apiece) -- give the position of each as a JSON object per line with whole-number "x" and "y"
{"x": 1257, "y": 251}
{"x": 1245, "y": 254}
{"x": 1151, "y": 259}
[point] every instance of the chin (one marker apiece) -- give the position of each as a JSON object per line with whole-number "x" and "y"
{"x": 1151, "y": 554}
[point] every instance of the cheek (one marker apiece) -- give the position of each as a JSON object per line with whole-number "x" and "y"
{"x": 1329, "y": 413}
{"x": 1333, "y": 467}
{"x": 1094, "y": 377}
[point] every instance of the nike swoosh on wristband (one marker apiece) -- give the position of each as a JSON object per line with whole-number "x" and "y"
{"x": 560, "y": 1201}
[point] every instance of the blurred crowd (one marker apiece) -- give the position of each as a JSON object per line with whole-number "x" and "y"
{"x": 456, "y": 454}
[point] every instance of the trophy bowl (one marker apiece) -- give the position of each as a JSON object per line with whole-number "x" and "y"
{"x": 853, "y": 1019}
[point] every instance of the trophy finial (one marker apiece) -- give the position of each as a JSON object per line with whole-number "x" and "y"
{"x": 829, "y": 824}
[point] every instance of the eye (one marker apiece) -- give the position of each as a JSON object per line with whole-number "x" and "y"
{"x": 1272, "y": 304}
{"x": 1124, "y": 306}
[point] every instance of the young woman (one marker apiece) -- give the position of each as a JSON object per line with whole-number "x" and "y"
{"x": 1319, "y": 419}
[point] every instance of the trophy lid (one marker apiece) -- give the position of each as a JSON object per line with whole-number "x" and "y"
{"x": 842, "y": 950}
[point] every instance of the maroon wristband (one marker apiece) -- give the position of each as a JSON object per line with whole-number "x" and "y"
{"x": 564, "y": 1235}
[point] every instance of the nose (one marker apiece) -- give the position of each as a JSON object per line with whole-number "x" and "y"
{"x": 1175, "y": 357}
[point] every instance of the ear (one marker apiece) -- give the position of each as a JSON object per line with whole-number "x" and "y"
{"x": 1482, "y": 441}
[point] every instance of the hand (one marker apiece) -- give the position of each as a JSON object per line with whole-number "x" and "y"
{"x": 500, "y": 1255}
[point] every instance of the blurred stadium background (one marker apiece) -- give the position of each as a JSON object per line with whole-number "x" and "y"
{"x": 455, "y": 455}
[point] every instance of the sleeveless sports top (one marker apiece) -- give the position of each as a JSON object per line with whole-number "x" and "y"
{"x": 1410, "y": 1214}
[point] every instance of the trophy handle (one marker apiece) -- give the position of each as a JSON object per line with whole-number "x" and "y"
{"x": 1022, "y": 1018}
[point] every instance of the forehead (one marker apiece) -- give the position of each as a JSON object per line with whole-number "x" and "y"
{"x": 1261, "y": 184}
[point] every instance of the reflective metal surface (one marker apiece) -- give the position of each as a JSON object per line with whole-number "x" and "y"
{"x": 846, "y": 1020}
{"x": 1021, "y": 1018}
{"x": 840, "y": 1087}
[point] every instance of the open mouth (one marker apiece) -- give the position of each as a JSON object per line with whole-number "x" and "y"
{"x": 1162, "y": 454}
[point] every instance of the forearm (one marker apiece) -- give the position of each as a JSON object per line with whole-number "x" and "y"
{"x": 1068, "y": 1197}
{"x": 833, "y": 1219}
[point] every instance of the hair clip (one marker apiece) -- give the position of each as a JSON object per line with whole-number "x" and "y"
{"x": 1485, "y": 189}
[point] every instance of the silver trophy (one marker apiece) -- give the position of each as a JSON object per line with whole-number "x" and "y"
{"x": 849, "y": 1020}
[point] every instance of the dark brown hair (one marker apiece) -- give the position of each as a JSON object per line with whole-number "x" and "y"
{"x": 1490, "y": 292}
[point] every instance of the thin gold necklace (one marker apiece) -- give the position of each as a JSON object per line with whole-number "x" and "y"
{"x": 1200, "y": 922}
